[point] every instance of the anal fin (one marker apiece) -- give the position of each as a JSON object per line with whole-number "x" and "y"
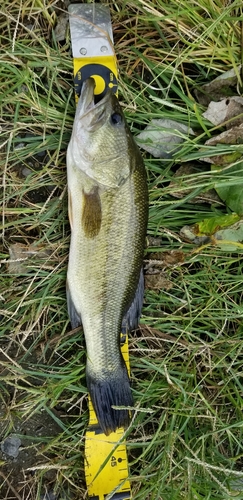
{"x": 131, "y": 317}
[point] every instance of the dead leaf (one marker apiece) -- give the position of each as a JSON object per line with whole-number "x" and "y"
{"x": 153, "y": 241}
{"x": 233, "y": 135}
{"x": 232, "y": 193}
{"x": 61, "y": 27}
{"x": 157, "y": 282}
{"x": 216, "y": 112}
{"x": 189, "y": 234}
{"x": 222, "y": 160}
{"x": 162, "y": 137}
{"x": 173, "y": 257}
{"x": 22, "y": 256}
{"x": 225, "y": 231}
{"x": 224, "y": 110}
{"x": 219, "y": 87}
{"x": 161, "y": 260}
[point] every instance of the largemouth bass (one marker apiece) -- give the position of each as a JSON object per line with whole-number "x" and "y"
{"x": 108, "y": 205}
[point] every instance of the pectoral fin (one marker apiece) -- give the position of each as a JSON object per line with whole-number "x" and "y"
{"x": 74, "y": 316}
{"x": 131, "y": 318}
{"x": 92, "y": 213}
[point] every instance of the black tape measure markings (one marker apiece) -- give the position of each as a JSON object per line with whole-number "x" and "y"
{"x": 101, "y": 74}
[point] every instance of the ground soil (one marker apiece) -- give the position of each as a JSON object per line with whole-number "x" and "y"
{"x": 23, "y": 442}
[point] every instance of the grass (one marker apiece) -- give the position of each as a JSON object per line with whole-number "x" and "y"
{"x": 186, "y": 358}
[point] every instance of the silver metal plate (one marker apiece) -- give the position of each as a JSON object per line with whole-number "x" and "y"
{"x": 91, "y": 30}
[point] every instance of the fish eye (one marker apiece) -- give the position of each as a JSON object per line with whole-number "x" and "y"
{"x": 116, "y": 119}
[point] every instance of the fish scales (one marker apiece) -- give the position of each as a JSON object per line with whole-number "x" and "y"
{"x": 108, "y": 217}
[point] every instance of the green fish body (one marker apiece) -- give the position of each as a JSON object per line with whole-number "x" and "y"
{"x": 108, "y": 206}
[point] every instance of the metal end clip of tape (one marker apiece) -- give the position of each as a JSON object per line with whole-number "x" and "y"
{"x": 92, "y": 47}
{"x": 106, "y": 466}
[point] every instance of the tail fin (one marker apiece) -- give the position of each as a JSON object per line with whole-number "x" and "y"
{"x": 109, "y": 389}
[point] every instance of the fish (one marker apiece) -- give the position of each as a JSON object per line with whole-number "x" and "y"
{"x": 108, "y": 212}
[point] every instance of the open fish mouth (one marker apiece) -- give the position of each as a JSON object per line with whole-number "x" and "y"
{"x": 89, "y": 99}
{"x": 87, "y": 95}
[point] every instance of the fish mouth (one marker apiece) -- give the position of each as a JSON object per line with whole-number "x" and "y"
{"x": 89, "y": 99}
{"x": 93, "y": 113}
{"x": 87, "y": 95}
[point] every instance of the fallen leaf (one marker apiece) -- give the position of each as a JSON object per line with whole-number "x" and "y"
{"x": 229, "y": 237}
{"x": 61, "y": 27}
{"x": 158, "y": 261}
{"x": 208, "y": 227}
{"x": 190, "y": 234}
{"x": 232, "y": 194}
{"x": 157, "y": 282}
{"x": 21, "y": 257}
{"x": 211, "y": 225}
{"x": 233, "y": 135}
{"x": 222, "y": 160}
{"x": 224, "y": 110}
{"x": 162, "y": 137}
{"x": 224, "y": 231}
{"x": 219, "y": 87}
{"x": 153, "y": 241}
{"x": 236, "y": 485}
{"x": 216, "y": 112}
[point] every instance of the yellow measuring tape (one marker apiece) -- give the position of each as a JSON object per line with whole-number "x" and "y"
{"x": 106, "y": 466}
